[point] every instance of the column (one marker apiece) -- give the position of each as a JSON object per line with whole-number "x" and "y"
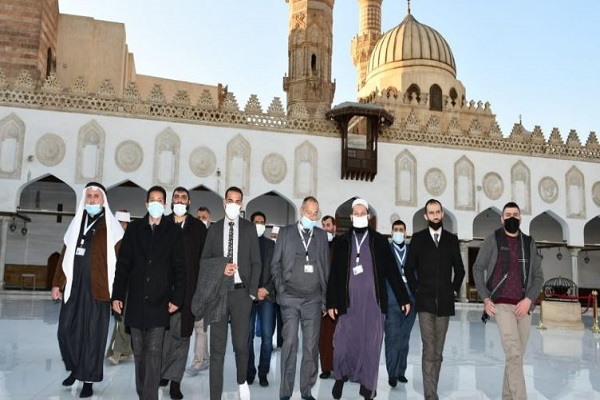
{"x": 4, "y": 222}
{"x": 464, "y": 254}
{"x": 574, "y": 265}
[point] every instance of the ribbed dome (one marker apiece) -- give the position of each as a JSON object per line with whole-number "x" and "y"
{"x": 409, "y": 44}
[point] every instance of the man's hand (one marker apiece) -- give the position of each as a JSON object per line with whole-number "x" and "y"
{"x": 489, "y": 307}
{"x": 522, "y": 307}
{"x": 172, "y": 308}
{"x": 332, "y": 313}
{"x": 230, "y": 269}
{"x": 117, "y": 306}
{"x": 406, "y": 309}
{"x": 56, "y": 294}
{"x": 262, "y": 293}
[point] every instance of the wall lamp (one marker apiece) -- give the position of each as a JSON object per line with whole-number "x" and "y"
{"x": 24, "y": 229}
{"x": 586, "y": 259}
{"x": 13, "y": 225}
{"x": 559, "y": 255}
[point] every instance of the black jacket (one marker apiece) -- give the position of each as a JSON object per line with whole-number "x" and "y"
{"x": 434, "y": 273}
{"x": 265, "y": 279}
{"x": 150, "y": 272}
{"x": 385, "y": 269}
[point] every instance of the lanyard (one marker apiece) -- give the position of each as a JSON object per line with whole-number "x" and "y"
{"x": 401, "y": 255}
{"x": 358, "y": 245}
{"x": 304, "y": 242}
{"x": 87, "y": 225}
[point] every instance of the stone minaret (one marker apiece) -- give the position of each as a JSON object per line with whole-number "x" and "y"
{"x": 368, "y": 35}
{"x": 28, "y": 37}
{"x": 310, "y": 35}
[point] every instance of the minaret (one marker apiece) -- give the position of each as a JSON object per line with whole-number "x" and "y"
{"x": 310, "y": 37}
{"x": 368, "y": 35}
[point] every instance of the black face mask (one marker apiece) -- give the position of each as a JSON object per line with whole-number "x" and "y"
{"x": 434, "y": 225}
{"x": 511, "y": 225}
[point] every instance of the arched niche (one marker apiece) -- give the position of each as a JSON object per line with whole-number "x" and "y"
{"x": 305, "y": 170}
{"x": 591, "y": 232}
{"x": 278, "y": 210}
{"x": 90, "y": 153}
{"x": 548, "y": 227}
{"x": 486, "y": 222}
{"x": 238, "y": 164}
{"x": 520, "y": 178}
{"x": 464, "y": 184}
{"x": 12, "y": 136}
{"x": 575, "y": 192}
{"x": 343, "y": 212}
{"x": 419, "y": 222}
{"x": 129, "y": 196}
{"x": 406, "y": 179}
{"x": 201, "y": 196}
{"x": 167, "y": 150}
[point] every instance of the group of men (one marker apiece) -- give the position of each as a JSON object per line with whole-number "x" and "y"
{"x": 175, "y": 276}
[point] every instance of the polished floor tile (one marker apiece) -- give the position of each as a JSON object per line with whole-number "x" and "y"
{"x": 558, "y": 364}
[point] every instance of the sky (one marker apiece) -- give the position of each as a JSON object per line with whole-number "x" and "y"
{"x": 537, "y": 61}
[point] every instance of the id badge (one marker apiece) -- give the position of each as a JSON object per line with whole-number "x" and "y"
{"x": 80, "y": 251}
{"x": 357, "y": 270}
{"x": 308, "y": 269}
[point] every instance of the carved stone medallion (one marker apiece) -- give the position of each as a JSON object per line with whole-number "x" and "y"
{"x": 50, "y": 149}
{"x": 596, "y": 193}
{"x": 129, "y": 156}
{"x": 203, "y": 162}
{"x": 435, "y": 181}
{"x": 274, "y": 168}
{"x": 548, "y": 189}
{"x": 493, "y": 185}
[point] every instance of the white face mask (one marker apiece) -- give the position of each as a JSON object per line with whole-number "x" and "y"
{"x": 205, "y": 222}
{"x": 232, "y": 210}
{"x": 156, "y": 209}
{"x": 329, "y": 236}
{"x": 398, "y": 237}
{"x": 260, "y": 229}
{"x": 179, "y": 209}
{"x": 360, "y": 222}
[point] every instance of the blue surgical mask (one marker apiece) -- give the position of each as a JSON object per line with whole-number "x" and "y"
{"x": 156, "y": 209}
{"x": 398, "y": 237}
{"x": 93, "y": 209}
{"x": 308, "y": 223}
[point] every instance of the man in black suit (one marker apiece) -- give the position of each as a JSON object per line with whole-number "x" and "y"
{"x": 150, "y": 273}
{"x": 264, "y": 306}
{"x": 434, "y": 258}
{"x": 235, "y": 239}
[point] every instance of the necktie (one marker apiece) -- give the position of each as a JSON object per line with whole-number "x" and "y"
{"x": 230, "y": 244}
{"x": 436, "y": 238}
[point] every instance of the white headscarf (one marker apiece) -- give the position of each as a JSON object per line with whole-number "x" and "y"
{"x": 114, "y": 233}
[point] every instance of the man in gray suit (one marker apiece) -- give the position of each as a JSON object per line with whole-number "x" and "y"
{"x": 235, "y": 239}
{"x": 300, "y": 271}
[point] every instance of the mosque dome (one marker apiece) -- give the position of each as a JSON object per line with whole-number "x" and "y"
{"x": 411, "y": 44}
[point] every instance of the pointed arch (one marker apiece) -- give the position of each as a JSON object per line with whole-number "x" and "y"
{"x": 305, "y": 170}
{"x": 521, "y": 186}
{"x": 90, "y": 153}
{"x": 167, "y": 150}
{"x": 435, "y": 98}
{"x": 12, "y": 136}
{"x": 464, "y": 184}
{"x": 238, "y": 164}
{"x": 575, "y": 192}
{"x": 278, "y": 209}
{"x": 406, "y": 179}
{"x": 486, "y": 222}
{"x": 548, "y": 227}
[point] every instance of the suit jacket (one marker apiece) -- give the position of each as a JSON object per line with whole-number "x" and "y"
{"x": 266, "y": 279}
{"x": 284, "y": 257}
{"x": 194, "y": 235}
{"x": 150, "y": 272}
{"x": 429, "y": 271}
{"x": 248, "y": 257}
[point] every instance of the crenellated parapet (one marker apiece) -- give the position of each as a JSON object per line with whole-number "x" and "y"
{"x": 465, "y": 125}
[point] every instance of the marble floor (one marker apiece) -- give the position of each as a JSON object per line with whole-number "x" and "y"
{"x": 558, "y": 364}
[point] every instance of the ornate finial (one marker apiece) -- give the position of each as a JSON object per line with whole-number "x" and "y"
{"x": 408, "y": 1}
{"x": 520, "y": 119}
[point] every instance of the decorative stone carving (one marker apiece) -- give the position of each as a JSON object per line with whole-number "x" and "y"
{"x": 493, "y": 185}
{"x": 206, "y": 100}
{"x": 548, "y": 189}
{"x": 274, "y": 168}
{"x": 230, "y": 103}
{"x": 129, "y": 156}
{"x": 90, "y": 153}
{"x": 167, "y": 149}
{"x": 12, "y": 137}
{"x": 305, "y": 170}
{"x": 132, "y": 92}
{"x": 596, "y": 193}
{"x": 521, "y": 187}
{"x": 575, "y": 192}
{"x": 298, "y": 111}
{"x": 51, "y": 84}
{"x": 3, "y": 82}
{"x": 182, "y": 98}
{"x": 454, "y": 127}
{"x": 412, "y": 123}
{"x": 156, "y": 94}
{"x": 253, "y": 106}
{"x": 435, "y": 181}
{"x": 433, "y": 126}
{"x": 406, "y": 179}
{"x": 80, "y": 86}
{"x": 50, "y": 149}
{"x": 106, "y": 89}
{"x": 238, "y": 163}
{"x": 24, "y": 81}
{"x": 464, "y": 184}
{"x": 203, "y": 162}
{"x": 276, "y": 108}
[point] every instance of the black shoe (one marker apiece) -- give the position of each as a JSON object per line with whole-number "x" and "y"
{"x": 70, "y": 380}
{"x": 309, "y": 397}
{"x": 175, "y": 390}
{"x": 393, "y": 382}
{"x": 338, "y": 386}
{"x": 366, "y": 393}
{"x": 163, "y": 382}
{"x": 325, "y": 374}
{"x": 262, "y": 380}
{"x": 402, "y": 379}
{"x": 250, "y": 379}
{"x": 87, "y": 390}
{"x": 284, "y": 398}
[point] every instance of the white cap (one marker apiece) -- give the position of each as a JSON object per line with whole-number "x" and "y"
{"x": 123, "y": 216}
{"x": 361, "y": 202}
{"x": 275, "y": 229}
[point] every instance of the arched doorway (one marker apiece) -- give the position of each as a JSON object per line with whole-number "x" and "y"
{"x": 278, "y": 210}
